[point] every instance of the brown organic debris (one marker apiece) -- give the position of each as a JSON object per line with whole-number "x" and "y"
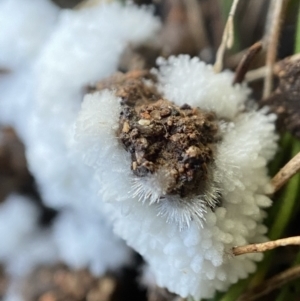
{"x": 59, "y": 283}
{"x": 162, "y": 136}
{"x": 183, "y": 29}
{"x": 259, "y": 73}
{"x": 139, "y": 57}
{"x": 131, "y": 87}
{"x": 14, "y": 175}
{"x": 285, "y": 100}
{"x": 3, "y": 282}
{"x": 161, "y": 294}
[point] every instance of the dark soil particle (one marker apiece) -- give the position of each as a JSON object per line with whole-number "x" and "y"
{"x": 161, "y": 135}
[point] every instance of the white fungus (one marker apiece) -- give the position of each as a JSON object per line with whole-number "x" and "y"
{"x": 52, "y": 56}
{"x": 24, "y": 245}
{"x": 82, "y": 49}
{"x": 193, "y": 260}
{"x": 18, "y": 218}
{"x": 25, "y": 25}
{"x": 84, "y": 170}
{"x": 80, "y": 244}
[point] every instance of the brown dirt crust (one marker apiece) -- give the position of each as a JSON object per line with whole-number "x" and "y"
{"x": 285, "y": 100}
{"x": 160, "y": 135}
{"x": 131, "y": 87}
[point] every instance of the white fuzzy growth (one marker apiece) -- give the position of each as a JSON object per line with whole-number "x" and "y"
{"x": 96, "y": 140}
{"x": 84, "y": 48}
{"x": 24, "y": 27}
{"x": 184, "y": 80}
{"x": 151, "y": 188}
{"x": 87, "y": 241}
{"x": 39, "y": 249}
{"x": 15, "y": 100}
{"x": 18, "y": 219}
{"x": 191, "y": 261}
{"x": 24, "y": 245}
{"x": 105, "y": 108}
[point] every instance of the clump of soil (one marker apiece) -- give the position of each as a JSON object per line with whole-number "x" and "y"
{"x": 160, "y": 135}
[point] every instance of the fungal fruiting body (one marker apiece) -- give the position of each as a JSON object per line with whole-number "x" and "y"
{"x": 187, "y": 152}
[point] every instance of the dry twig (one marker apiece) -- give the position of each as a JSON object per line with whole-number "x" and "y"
{"x": 266, "y": 246}
{"x": 245, "y": 62}
{"x": 272, "y": 44}
{"x": 285, "y": 173}
{"x": 227, "y": 38}
{"x": 271, "y": 284}
{"x": 259, "y": 73}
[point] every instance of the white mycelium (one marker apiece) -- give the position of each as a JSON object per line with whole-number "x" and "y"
{"x": 24, "y": 28}
{"x": 85, "y": 46}
{"x": 192, "y": 260}
{"x": 185, "y": 242}
{"x": 52, "y": 56}
{"x": 24, "y": 243}
{"x": 87, "y": 241}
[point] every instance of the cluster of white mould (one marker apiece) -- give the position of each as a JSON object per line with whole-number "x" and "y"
{"x": 82, "y": 169}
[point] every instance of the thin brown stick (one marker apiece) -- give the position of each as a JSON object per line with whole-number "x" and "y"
{"x": 271, "y": 284}
{"x": 285, "y": 173}
{"x": 260, "y": 73}
{"x": 245, "y": 62}
{"x": 276, "y": 7}
{"x": 227, "y": 38}
{"x": 266, "y": 246}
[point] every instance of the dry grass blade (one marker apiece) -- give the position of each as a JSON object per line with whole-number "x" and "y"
{"x": 272, "y": 44}
{"x": 260, "y": 73}
{"x": 271, "y": 284}
{"x": 266, "y": 246}
{"x": 285, "y": 173}
{"x": 245, "y": 62}
{"x": 227, "y": 38}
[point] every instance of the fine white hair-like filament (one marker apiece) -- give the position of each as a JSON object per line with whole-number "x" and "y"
{"x": 183, "y": 211}
{"x": 152, "y": 189}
